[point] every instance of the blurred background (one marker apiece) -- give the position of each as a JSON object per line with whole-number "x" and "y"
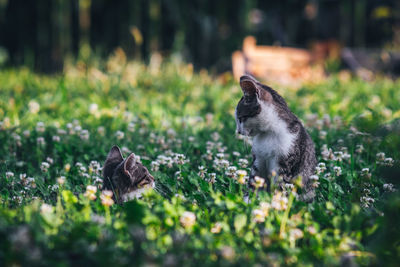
{"x": 357, "y": 34}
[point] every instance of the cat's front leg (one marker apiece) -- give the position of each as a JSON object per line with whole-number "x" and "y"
{"x": 259, "y": 168}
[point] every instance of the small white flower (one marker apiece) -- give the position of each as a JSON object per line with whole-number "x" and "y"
{"x": 106, "y": 198}
{"x": 91, "y": 192}
{"x": 131, "y": 127}
{"x": 243, "y": 163}
{"x": 40, "y": 141}
{"x": 216, "y": 228}
{"x": 49, "y": 160}
{"x": 84, "y": 135}
{"x": 46, "y": 208}
{"x": 56, "y": 138}
{"x": 389, "y": 188}
{"x": 258, "y": 182}
{"x": 188, "y": 219}
{"x": 295, "y": 233}
{"x": 279, "y": 201}
{"x": 120, "y": 135}
{"x": 322, "y": 134}
{"x": 34, "y": 107}
{"x": 236, "y": 154}
{"x": 337, "y": 170}
{"x": 258, "y": 216}
{"x": 380, "y": 156}
{"x": 44, "y": 166}
{"x": 9, "y": 174}
{"x": 26, "y": 133}
{"x": 61, "y": 180}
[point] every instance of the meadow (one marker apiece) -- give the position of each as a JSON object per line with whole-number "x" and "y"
{"x": 55, "y": 133}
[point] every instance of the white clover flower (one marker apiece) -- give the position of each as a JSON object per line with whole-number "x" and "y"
{"x": 231, "y": 171}
{"x": 338, "y": 155}
{"x": 389, "y": 188}
{"x": 380, "y": 156}
{"x": 258, "y": 216}
{"x": 236, "y": 154}
{"x": 56, "y": 138}
{"x": 265, "y": 207}
{"x": 295, "y": 233}
{"x": 40, "y": 141}
{"x": 9, "y": 174}
{"x": 61, "y": 180}
{"x": 34, "y": 107}
{"x": 224, "y": 163}
{"x": 241, "y": 173}
{"x": 119, "y": 135}
{"x": 322, "y": 166}
{"x": 53, "y": 187}
{"x": 359, "y": 149}
{"x": 389, "y": 162}
{"x": 322, "y": 134}
{"x": 215, "y": 136}
{"x": 106, "y": 198}
{"x": 243, "y": 163}
{"x": 40, "y": 127}
{"x": 26, "y": 133}
{"x": 91, "y": 192}
{"x": 258, "y": 182}
{"x": 337, "y": 170}
{"x": 279, "y": 201}
{"x": 289, "y": 186}
{"x": 216, "y": 228}
{"x": 314, "y": 177}
{"x": 44, "y": 166}
{"x": 228, "y": 253}
{"x": 101, "y": 130}
{"x": 46, "y": 208}
{"x": 202, "y": 171}
{"x": 188, "y": 219}
{"x": 93, "y": 108}
{"x": 84, "y": 135}
{"x": 155, "y": 166}
{"x": 220, "y": 155}
{"x": 49, "y": 160}
{"x": 179, "y": 159}
{"x": 178, "y": 175}
{"x": 326, "y": 153}
{"x": 131, "y": 127}
{"x": 212, "y": 177}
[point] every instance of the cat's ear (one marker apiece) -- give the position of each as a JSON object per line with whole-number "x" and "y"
{"x": 248, "y": 85}
{"x": 115, "y": 155}
{"x": 251, "y": 87}
{"x": 130, "y": 165}
{"x": 114, "y": 158}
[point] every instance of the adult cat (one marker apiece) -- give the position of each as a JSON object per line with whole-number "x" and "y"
{"x": 280, "y": 142}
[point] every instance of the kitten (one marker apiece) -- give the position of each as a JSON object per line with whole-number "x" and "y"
{"x": 280, "y": 142}
{"x": 127, "y": 178}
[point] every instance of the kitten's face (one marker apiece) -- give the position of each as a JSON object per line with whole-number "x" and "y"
{"x": 126, "y": 177}
{"x": 255, "y": 101}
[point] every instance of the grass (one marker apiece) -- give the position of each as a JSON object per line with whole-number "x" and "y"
{"x": 56, "y": 132}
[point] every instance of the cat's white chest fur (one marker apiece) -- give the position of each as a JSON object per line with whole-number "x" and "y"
{"x": 273, "y": 141}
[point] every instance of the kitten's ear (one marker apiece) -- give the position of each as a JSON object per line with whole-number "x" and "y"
{"x": 114, "y": 158}
{"x": 130, "y": 165}
{"x": 248, "y": 85}
{"x": 115, "y": 155}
